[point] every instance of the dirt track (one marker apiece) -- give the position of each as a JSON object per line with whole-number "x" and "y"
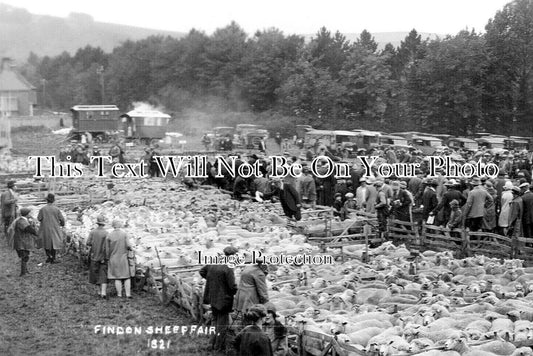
{"x": 53, "y": 311}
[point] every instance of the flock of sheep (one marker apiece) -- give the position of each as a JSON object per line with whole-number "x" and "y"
{"x": 391, "y": 305}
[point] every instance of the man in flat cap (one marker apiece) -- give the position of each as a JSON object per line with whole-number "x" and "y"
{"x": 50, "y": 230}
{"x": 8, "y": 205}
{"x": 98, "y": 257}
{"x": 220, "y": 288}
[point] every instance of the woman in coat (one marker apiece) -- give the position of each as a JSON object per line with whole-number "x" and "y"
{"x": 252, "y": 288}
{"x": 23, "y": 239}
{"x": 252, "y": 341}
{"x": 117, "y": 246}
{"x": 50, "y": 230}
{"x": 506, "y": 199}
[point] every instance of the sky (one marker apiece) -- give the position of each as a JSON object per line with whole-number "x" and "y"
{"x": 291, "y": 16}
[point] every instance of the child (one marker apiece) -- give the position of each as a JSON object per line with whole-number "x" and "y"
{"x": 337, "y": 205}
{"x": 455, "y": 215}
{"x": 349, "y": 204}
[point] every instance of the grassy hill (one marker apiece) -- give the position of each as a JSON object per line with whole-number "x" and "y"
{"x": 23, "y": 32}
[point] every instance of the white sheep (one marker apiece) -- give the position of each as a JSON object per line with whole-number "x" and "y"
{"x": 523, "y": 351}
{"x": 362, "y": 337}
{"x": 439, "y": 353}
{"x": 496, "y": 347}
{"x": 419, "y": 345}
{"x": 396, "y": 345}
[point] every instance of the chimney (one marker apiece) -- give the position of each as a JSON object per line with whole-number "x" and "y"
{"x": 6, "y": 61}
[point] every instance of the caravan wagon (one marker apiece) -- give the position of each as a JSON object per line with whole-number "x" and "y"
{"x": 147, "y": 126}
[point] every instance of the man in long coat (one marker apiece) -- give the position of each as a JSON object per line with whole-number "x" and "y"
{"x": 288, "y": 197}
{"x": 515, "y": 214}
{"x": 451, "y": 194}
{"x": 8, "y": 204}
{"x": 220, "y": 287}
{"x": 475, "y": 205}
{"x": 400, "y": 202}
{"x": 527, "y": 218}
{"x": 50, "y": 229}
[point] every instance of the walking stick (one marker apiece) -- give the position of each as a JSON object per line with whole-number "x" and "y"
{"x": 163, "y": 284}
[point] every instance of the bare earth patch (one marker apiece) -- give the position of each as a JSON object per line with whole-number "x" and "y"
{"x": 53, "y": 311}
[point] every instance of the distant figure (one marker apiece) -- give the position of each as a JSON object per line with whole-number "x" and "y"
{"x": 278, "y": 140}
{"x": 8, "y": 205}
{"x": 61, "y": 123}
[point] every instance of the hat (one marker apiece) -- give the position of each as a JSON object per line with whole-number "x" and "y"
{"x": 50, "y": 198}
{"x": 451, "y": 183}
{"x": 515, "y": 190}
{"x": 508, "y": 186}
{"x": 395, "y": 184}
{"x": 271, "y": 308}
{"x": 230, "y": 250}
{"x": 371, "y": 180}
{"x": 338, "y": 195}
{"x": 403, "y": 184}
{"x": 100, "y": 220}
{"x": 454, "y": 202}
{"x": 349, "y": 195}
{"x": 24, "y": 211}
{"x": 489, "y": 184}
{"x": 363, "y": 179}
{"x": 524, "y": 185}
{"x": 475, "y": 181}
{"x": 430, "y": 181}
{"x": 116, "y": 224}
{"x": 379, "y": 182}
{"x": 11, "y": 184}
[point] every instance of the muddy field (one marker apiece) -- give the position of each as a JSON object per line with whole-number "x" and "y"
{"x": 54, "y": 311}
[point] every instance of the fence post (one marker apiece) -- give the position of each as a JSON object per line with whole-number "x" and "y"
{"x": 466, "y": 242}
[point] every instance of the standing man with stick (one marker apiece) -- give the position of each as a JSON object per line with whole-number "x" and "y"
{"x": 220, "y": 287}
{"x": 50, "y": 230}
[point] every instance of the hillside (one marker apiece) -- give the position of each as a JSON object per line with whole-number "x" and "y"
{"x": 23, "y": 32}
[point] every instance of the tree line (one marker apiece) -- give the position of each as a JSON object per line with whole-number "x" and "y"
{"x": 459, "y": 84}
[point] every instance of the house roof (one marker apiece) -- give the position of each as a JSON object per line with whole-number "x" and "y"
{"x": 11, "y": 80}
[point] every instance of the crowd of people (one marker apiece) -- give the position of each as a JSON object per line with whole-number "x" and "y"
{"x": 110, "y": 253}
{"x": 501, "y": 204}
{"x": 242, "y": 315}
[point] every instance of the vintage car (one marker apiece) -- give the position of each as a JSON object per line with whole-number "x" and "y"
{"x": 463, "y": 143}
